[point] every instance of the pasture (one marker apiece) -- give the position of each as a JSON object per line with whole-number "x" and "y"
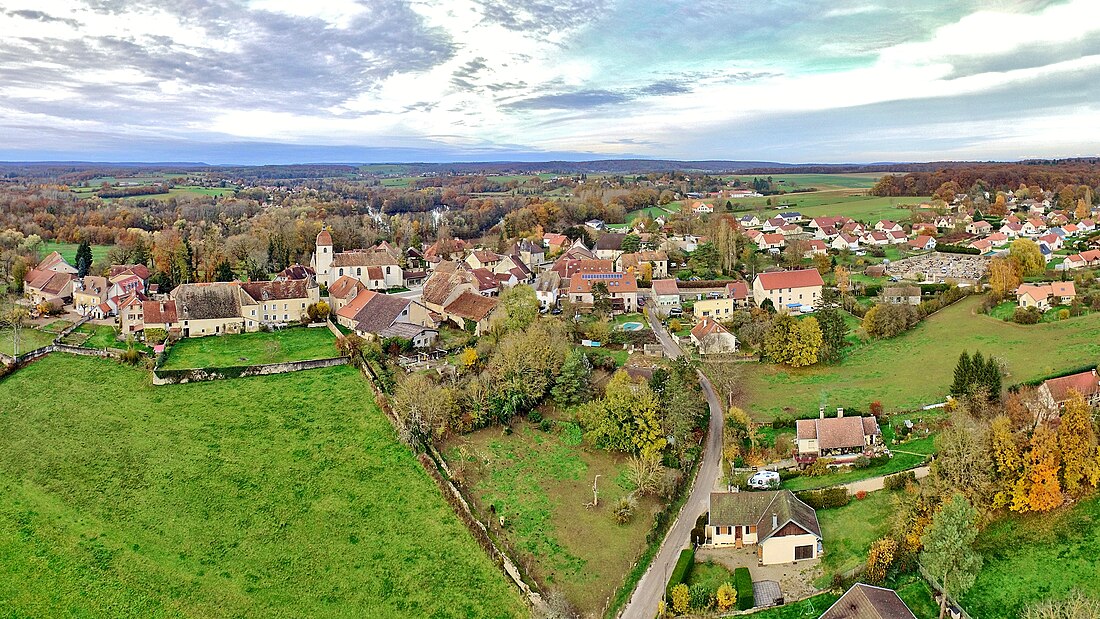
{"x": 215, "y": 351}
{"x": 68, "y": 251}
{"x": 539, "y": 482}
{"x": 861, "y": 180}
{"x": 275, "y": 496}
{"x": 916, "y": 368}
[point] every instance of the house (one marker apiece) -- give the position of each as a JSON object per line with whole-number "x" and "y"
{"x": 555, "y": 243}
{"x": 842, "y": 438}
{"x": 595, "y": 224}
{"x": 1055, "y": 392}
{"x": 845, "y": 241}
{"x": 773, "y": 224}
{"x": 44, "y": 285}
{"x": 342, "y": 291}
{"x": 277, "y": 302}
{"x": 750, "y": 221}
{"x": 816, "y": 247}
{"x": 90, "y": 297}
{"x": 783, "y": 528}
{"x": 875, "y": 238}
{"x": 1045, "y": 296}
{"x": 711, "y": 338}
{"x": 863, "y": 601}
{"x": 791, "y": 216}
{"x": 635, "y": 263}
{"x": 788, "y": 290}
{"x": 547, "y": 289}
{"x": 483, "y": 259}
{"x": 56, "y": 263}
{"x": 375, "y": 315}
{"x": 470, "y": 311}
{"x": 445, "y": 293}
{"x": 702, "y": 208}
{"x": 925, "y": 228}
{"x": 446, "y": 249}
{"x": 720, "y": 308}
{"x": 979, "y": 227}
{"x": 739, "y": 292}
{"x": 208, "y": 309}
{"x": 901, "y": 295}
{"x": 998, "y": 239}
{"x": 131, "y": 318}
{"x": 790, "y": 230}
{"x": 897, "y": 237}
{"x": 771, "y": 242}
{"x": 162, "y": 315}
{"x": 885, "y": 225}
{"x": 296, "y": 271}
{"x": 819, "y": 223}
{"x": 923, "y": 242}
{"x": 511, "y": 270}
{"x": 1053, "y": 241}
{"x": 485, "y": 282}
{"x": 379, "y": 268}
{"x": 1082, "y": 260}
{"x": 1012, "y": 229}
{"x": 622, "y": 289}
{"x": 666, "y": 294}
{"x": 531, "y": 254}
{"x": 137, "y": 270}
{"x": 609, "y": 246}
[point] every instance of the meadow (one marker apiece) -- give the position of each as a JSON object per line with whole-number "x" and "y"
{"x": 29, "y": 339}
{"x": 1035, "y": 557}
{"x": 213, "y": 351}
{"x": 539, "y": 482}
{"x": 68, "y": 251}
{"x": 916, "y": 368}
{"x": 274, "y": 496}
{"x": 862, "y": 180}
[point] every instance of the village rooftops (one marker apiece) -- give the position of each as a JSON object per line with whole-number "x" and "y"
{"x": 277, "y": 290}
{"x": 346, "y": 287}
{"x": 616, "y": 282}
{"x": 665, "y": 287}
{"x": 802, "y": 278}
{"x": 159, "y": 312}
{"x": 373, "y": 311}
{"x": 471, "y": 306}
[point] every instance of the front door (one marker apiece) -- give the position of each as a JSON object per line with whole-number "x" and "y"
{"x": 738, "y": 537}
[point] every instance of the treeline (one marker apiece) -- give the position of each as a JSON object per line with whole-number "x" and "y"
{"x": 992, "y": 178}
{"x": 138, "y": 190}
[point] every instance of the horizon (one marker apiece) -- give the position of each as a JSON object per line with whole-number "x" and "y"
{"x": 269, "y": 82}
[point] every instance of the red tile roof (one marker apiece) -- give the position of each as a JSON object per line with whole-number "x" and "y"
{"x": 662, "y": 287}
{"x": 802, "y": 278}
{"x": 1086, "y": 383}
{"x": 471, "y": 306}
{"x": 345, "y": 287}
{"x": 707, "y": 327}
{"x": 159, "y": 312}
{"x": 738, "y": 290}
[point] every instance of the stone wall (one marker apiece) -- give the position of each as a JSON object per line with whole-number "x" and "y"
{"x": 173, "y": 377}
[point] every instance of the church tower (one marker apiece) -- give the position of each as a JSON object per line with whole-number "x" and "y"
{"x": 323, "y": 257}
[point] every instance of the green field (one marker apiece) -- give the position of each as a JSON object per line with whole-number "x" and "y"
{"x": 916, "y": 367}
{"x": 219, "y": 351}
{"x": 1035, "y": 557}
{"x": 862, "y": 180}
{"x": 275, "y": 496}
{"x": 848, "y": 532}
{"x": 834, "y": 203}
{"x": 68, "y": 251}
{"x": 539, "y": 482}
{"x": 29, "y": 339}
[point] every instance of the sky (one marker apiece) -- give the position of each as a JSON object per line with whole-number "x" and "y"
{"x": 283, "y": 81}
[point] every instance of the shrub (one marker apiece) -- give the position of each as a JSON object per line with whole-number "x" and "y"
{"x": 624, "y": 509}
{"x": 782, "y": 421}
{"x": 535, "y": 417}
{"x": 819, "y": 467}
{"x": 701, "y": 596}
{"x": 1063, "y": 314}
{"x": 826, "y": 498}
{"x": 546, "y": 425}
{"x": 862, "y": 494}
{"x": 861, "y": 462}
{"x": 682, "y": 569}
{"x": 156, "y": 336}
{"x": 726, "y": 597}
{"x": 899, "y": 481}
{"x": 1026, "y": 315}
{"x": 681, "y": 599}
{"x": 876, "y": 409}
{"x": 742, "y": 581}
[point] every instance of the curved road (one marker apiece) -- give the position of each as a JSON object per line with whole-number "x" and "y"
{"x": 651, "y": 588}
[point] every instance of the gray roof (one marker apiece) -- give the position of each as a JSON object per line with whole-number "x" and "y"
{"x": 757, "y": 508}
{"x": 868, "y": 602}
{"x": 207, "y": 301}
{"x": 610, "y": 241}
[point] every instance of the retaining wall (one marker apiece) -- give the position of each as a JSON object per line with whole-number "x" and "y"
{"x": 173, "y": 377}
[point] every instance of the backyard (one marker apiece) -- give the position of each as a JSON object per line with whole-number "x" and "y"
{"x": 292, "y": 344}
{"x": 540, "y": 483}
{"x": 274, "y": 496}
{"x": 1034, "y": 557}
{"x": 916, "y": 368}
{"x": 28, "y": 339}
{"x": 848, "y": 532}
{"x": 906, "y": 456}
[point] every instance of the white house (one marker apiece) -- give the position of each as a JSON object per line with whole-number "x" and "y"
{"x": 783, "y": 528}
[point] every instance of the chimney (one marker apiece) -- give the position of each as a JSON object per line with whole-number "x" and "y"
{"x": 775, "y": 521}
{"x": 821, "y": 412}
{"x": 839, "y": 412}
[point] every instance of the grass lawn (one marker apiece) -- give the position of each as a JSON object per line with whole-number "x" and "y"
{"x": 818, "y": 181}
{"x": 810, "y": 608}
{"x": 899, "y": 462}
{"x": 1005, "y": 310}
{"x": 68, "y": 251}
{"x": 29, "y": 339}
{"x": 916, "y": 367}
{"x": 273, "y": 496}
{"x": 57, "y": 326}
{"x": 848, "y": 532}
{"x": 917, "y": 595}
{"x": 292, "y": 344}
{"x": 101, "y": 336}
{"x": 710, "y": 574}
{"x": 1035, "y": 557}
{"x": 622, "y": 319}
{"x": 619, "y": 355}
{"x": 540, "y": 482}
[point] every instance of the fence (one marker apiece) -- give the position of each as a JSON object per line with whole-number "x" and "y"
{"x": 173, "y": 377}
{"x": 953, "y": 607}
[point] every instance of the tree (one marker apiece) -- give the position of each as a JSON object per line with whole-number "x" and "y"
{"x": 843, "y": 279}
{"x": 805, "y": 343}
{"x": 427, "y": 409}
{"x": 468, "y": 358}
{"x": 998, "y": 208}
{"x": 833, "y": 333}
{"x": 1082, "y": 210}
{"x": 318, "y": 312}
{"x": 1039, "y": 490}
{"x": 1004, "y": 277}
{"x": 726, "y": 597}
{"x": 1026, "y": 253}
{"x": 223, "y": 272}
{"x": 1077, "y": 444}
{"x": 1008, "y": 462}
{"x": 886, "y": 320}
{"x": 726, "y": 245}
{"x": 963, "y": 376}
{"x": 1076, "y": 606}
{"x": 83, "y": 259}
{"x": 631, "y": 243}
{"x": 880, "y": 559}
{"x": 601, "y": 298}
{"x": 822, "y": 263}
{"x": 681, "y": 599}
{"x": 625, "y": 419}
{"x": 963, "y": 463}
{"x": 572, "y": 385}
{"x": 520, "y": 306}
{"x": 949, "y": 553}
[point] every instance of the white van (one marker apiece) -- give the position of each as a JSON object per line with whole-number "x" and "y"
{"x": 763, "y": 480}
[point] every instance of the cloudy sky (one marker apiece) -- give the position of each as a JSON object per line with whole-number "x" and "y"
{"x": 269, "y": 81}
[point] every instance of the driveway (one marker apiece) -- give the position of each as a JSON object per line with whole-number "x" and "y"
{"x": 795, "y": 579}
{"x": 875, "y": 484}
{"x": 651, "y": 588}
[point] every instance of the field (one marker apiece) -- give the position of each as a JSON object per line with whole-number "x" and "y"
{"x": 212, "y": 351}
{"x": 29, "y": 339}
{"x": 275, "y": 496}
{"x": 539, "y": 482}
{"x": 68, "y": 251}
{"x": 1028, "y": 558}
{"x": 833, "y": 203}
{"x": 818, "y": 181}
{"x": 916, "y": 367}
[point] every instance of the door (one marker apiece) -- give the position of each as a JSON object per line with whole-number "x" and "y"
{"x": 803, "y": 552}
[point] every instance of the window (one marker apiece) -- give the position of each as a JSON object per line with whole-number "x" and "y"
{"x": 803, "y": 552}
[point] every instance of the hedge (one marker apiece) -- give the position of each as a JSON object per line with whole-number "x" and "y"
{"x": 682, "y": 570}
{"x": 899, "y": 481}
{"x": 825, "y": 498}
{"x": 958, "y": 249}
{"x": 742, "y": 581}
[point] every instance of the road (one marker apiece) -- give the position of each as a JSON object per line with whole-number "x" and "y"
{"x": 413, "y": 294}
{"x": 651, "y": 588}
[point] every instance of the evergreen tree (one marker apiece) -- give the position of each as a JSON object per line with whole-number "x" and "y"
{"x": 83, "y": 259}
{"x": 833, "y": 332}
{"x": 992, "y": 379}
{"x": 961, "y": 384}
{"x": 223, "y": 272}
{"x": 572, "y": 385}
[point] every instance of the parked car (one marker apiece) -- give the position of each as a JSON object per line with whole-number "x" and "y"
{"x": 764, "y": 480}
{"x": 675, "y": 312}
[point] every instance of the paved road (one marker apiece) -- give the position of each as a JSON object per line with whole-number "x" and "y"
{"x": 413, "y": 293}
{"x": 650, "y": 589}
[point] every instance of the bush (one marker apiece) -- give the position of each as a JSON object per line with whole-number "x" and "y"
{"x": 624, "y": 509}
{"x": 862, "y": 494}
{"x": 701, "y": 596}
{"x": 534, "y": 417}
{"x": 682, "y": 570}
{"x": 818, "y": 468}
{"x": 681, "y": 599}
{"x": 861, "y": 462}
{"x": 1063, "y": 314}
{"x": 156, "y": 336}
{"x": 899, "y": 481}
{"x": 1026, "y": 315}
{"x": 826, "y": 498}
{"x": 546, "y": 425}
{"x": 742, "y": 582}
{"x": 726, "y": 597}
{"x": 782, "y": 422}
